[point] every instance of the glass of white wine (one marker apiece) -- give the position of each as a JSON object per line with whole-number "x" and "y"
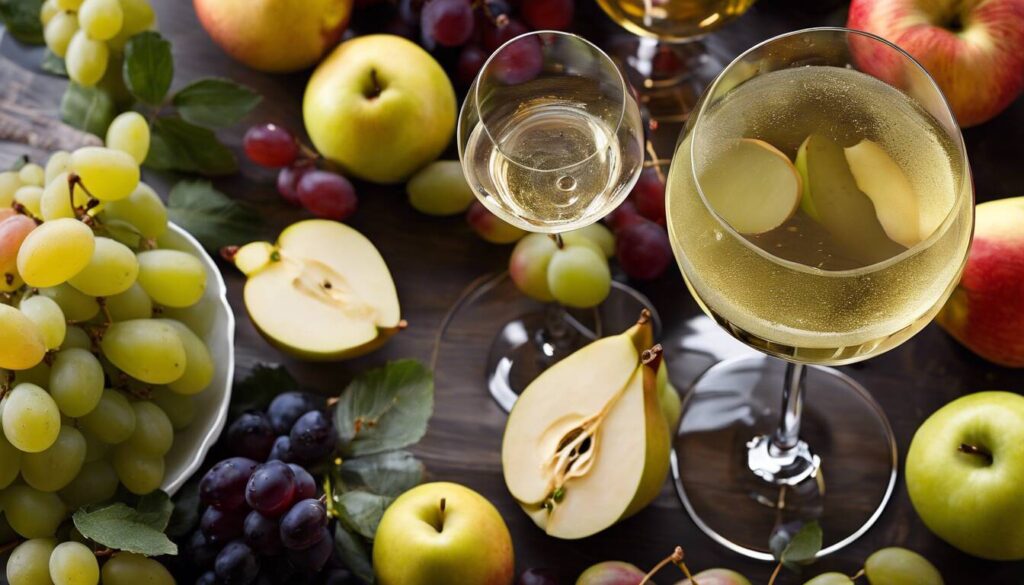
{"x": 820, "y": 207}
{"x": 551, "y": 140}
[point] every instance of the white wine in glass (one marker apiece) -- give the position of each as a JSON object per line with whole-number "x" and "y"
{"x": 673, "y": 20}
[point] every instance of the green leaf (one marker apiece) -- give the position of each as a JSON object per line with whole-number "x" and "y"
{"x": 385, "y": 409}
{"x": 388, "y": 474}
{"x": 186, "y": 509}
{"x": 21, "y": 18}
{"x": 260, "y": 387}
{"x": 793, "y": 549}
{"x": 155, "y": 510}
{"x": 87, "y": 108}
{"x": 210, "y": 216}
{"x": 176, "y": 145}
{"x": 53, "y": 64}
{"x": 361, "y": 511}
{"x": 215, "y": 102}
{"x": 354, "y": 553}
{"x": 122, "y": 528}
{"x": 148, "y": 67}
{"x": 19, "y": 162}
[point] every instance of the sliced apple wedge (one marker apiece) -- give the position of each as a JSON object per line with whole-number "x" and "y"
{"x": 323, "y": 292}
{"x": 587, "y": 444}
{"x": 883, "y": 181}
{"x": 753, "y": 186}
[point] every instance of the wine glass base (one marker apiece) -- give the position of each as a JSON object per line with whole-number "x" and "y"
{"x": 512, "y": 338}
{"x": 842, "y": 476}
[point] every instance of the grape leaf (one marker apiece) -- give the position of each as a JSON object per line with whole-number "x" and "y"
{"x": 155, "y": 509}
{"x": 210, "y": 216}
{"x": 794, "y": 544}
{"x": 353, "y": 552}
{"x": 385, "y": 409}
{"x": 176, "y": 145}
{"x": 53, "y": 64}
{"x": 148, "y": 67}
{"x": 215, "y": 102}
{"x": 120, "y": 527}
{"x": 21, "y": 19}
{"x": 260, "y": 387}
{"x": 87, "y": 108}
{"x": 186, "y": 509}
{"x": 388, "y": 474}
{"x": 362, "y": 511}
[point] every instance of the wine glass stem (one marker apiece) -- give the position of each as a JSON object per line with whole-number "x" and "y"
{"x": 787, "y": 436}
{"x": 782, "y": 458}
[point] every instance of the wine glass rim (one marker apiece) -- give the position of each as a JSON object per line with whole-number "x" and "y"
{"x": 623, "y": 86}
{"x": 938, "y": 232}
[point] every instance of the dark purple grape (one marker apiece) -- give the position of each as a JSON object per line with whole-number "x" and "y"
{"x": 223, "y": 486}
{"x": 286, "y": 408}
{"x": 207, "y": 578}
{"x": 271, "y": 489}
{"x": 327, "y": 195}
{"x": 643, "y": 250}
{"x": 312, "y": 436}
{"x": 270, "y": 145}
{"x": 305, "y": 485}
{"x": 237, "y": 563}
{"x": 447, "y": 22}
{"x": 409, "y": 11}
{"x": 500, "y": 33}
{"x": 471, "y": 59}
{"x": 288, "y": 181}
{"x": 339, "y": 576}
{"x": 282, "y": 450}
{"x": 497, "y": 11}
{"x": 200, "y": 551}
{"x": 251, "y": 436}
{"x": 219, "y": 526}
{"x": 538, "y": 577}
{"x": 313, "y": 558}
{"x": 519, "y": 61}
{"x": 548, "y": 14}
{"x": 263, "y": 534}
{"x": 301, "y": 526}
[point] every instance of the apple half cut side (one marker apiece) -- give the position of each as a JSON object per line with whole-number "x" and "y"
{"x": 323, "y": 292}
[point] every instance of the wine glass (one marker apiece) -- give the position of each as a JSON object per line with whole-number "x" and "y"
{"x": 829, "y": 260}
{"x": 550, "y": 140}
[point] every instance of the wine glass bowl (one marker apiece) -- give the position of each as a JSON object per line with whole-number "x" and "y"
{"x": 674, "y": 21}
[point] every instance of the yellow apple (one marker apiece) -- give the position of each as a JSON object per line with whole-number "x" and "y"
{"x": 381, "y": 107}
{"x": 275, "y": 35}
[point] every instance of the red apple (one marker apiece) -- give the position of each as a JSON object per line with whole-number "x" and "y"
{"x": 974, "y": 50}
{"x": 986, "y": 312}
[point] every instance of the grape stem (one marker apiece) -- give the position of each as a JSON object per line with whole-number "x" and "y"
{"x": 655, "y": 159}
{"x": 775, "y": 574}
{"x": 107, "y": 319}
{"x": 857, "y": 575}
{"x": 9, "y": 545}
{"x": 8, "y": 381}
{"x": 676, "y": 558}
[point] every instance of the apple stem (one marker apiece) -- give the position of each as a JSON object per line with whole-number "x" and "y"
{"x": 775, "y": 574}
{"x": 975, "y": 450}
{"x": 440, "y": 516}
{"x": 676, "y": 558}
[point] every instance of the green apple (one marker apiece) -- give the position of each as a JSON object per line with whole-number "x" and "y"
{"x": 965, "y": 472}
{"x": 275, "y": 35}
{"x": 442, "y": 534}
{"x": 381, "y": 107}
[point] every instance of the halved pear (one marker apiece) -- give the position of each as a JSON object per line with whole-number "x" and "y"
{"x": 586, "y": 444}
{"x": 753, "y": 186}
{"x": 883, "y": 181}
{"x": 323, "y": 292}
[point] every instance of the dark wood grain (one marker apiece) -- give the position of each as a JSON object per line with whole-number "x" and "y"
{"x": 464, "y": 438}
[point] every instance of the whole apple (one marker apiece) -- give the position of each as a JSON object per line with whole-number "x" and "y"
{"x": 974, "y": 50}
{"x": 986, "y": 312}
{"x": 381, "y": 107}
{"x": 611, "y": 573}
{"x": 965, "y": 469}
{"x": 275, "y": 35}
{"x": 441, "y": 534}
{"x": 716, "y": 577}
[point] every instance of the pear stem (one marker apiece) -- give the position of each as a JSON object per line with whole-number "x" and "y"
{"x": 775, "y": 574}
{"x": 676, "y": 558}
{"x": 976, "y": 450}
{"x": 652, "y": 357}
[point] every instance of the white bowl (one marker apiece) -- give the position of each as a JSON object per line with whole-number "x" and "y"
{"x": 218, "y": 331}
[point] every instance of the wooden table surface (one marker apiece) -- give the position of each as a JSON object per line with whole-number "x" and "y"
{"x": 433, "y": 260}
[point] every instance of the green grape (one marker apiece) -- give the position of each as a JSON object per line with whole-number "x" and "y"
{"x": 38, "y": 375}
{"x": 133, "y": 303}
{"x": 9, "y": 183}
{"x": 32, "y": 174}
{"x": 95, "y": 483}
{"x": 129, "y": 132}
{"x": 199, "y": 366}
{"x": 76, "y": 382}
{"x": 113, "y": 419}
{"x": 31, "y": 198}
{"x": 139, "y": 472}
{"x": 76, "y": 306}
{"x": 10, "y": 462}
{"x": 138, "y": 16}
{"x": 172, "y": 278}
{"x": 154, "y": 433}
{"x": 179, "y": 408}
{"x": 830, "y": 579}
{"x": 47, "y": 11}
{"x": 108, "y": 174}
{"x": 54, "y": 252}
{"x": 111, "y": 270}
{"x": 31, "y": 420}
{"x": 101, "y": 19}
{"x": 29, "y": 563}
{"x": 57, "y": 163}
{"x": 32, "y": 513}
{"x": 579, "y": 277}
{"x": 73, "y": 563}
{"x": 95, "y": 449}
{"x": 143, "y": 209}
{"x": 76, "y": 338}
{"x": 528, "y": 266}
{"x": 132, "y": 569}
{"x": 23, "y": 345}
{"x": 440, "y": 188}
{"x": 86, "y": 62}
{"x": 577, "y": 238}
{"x": 71, "y": 5}
{"x": 146, "y": 350}
{"x": 48, "y": 317}
{"x": 198, "y": 317}
{"x": 600, "y": 235}
{"x": 54, "y": 468}
{"x": 900, "y": 566}
{"x": 56, "y": 200}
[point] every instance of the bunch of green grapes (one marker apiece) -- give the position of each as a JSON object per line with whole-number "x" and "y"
{"x": 85, "y": 33}
{"x": 99, "y": 368}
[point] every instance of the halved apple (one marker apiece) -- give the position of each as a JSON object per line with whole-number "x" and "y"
{"x": 883, "y": 181}
{"x": 322, "y": 292}
{"x": 586, "y": 444}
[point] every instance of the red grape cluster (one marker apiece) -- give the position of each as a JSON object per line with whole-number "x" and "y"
{"x": 263, "y": 522}
{"x": 642, "y": 245}
{"x": 324, "y": 193}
